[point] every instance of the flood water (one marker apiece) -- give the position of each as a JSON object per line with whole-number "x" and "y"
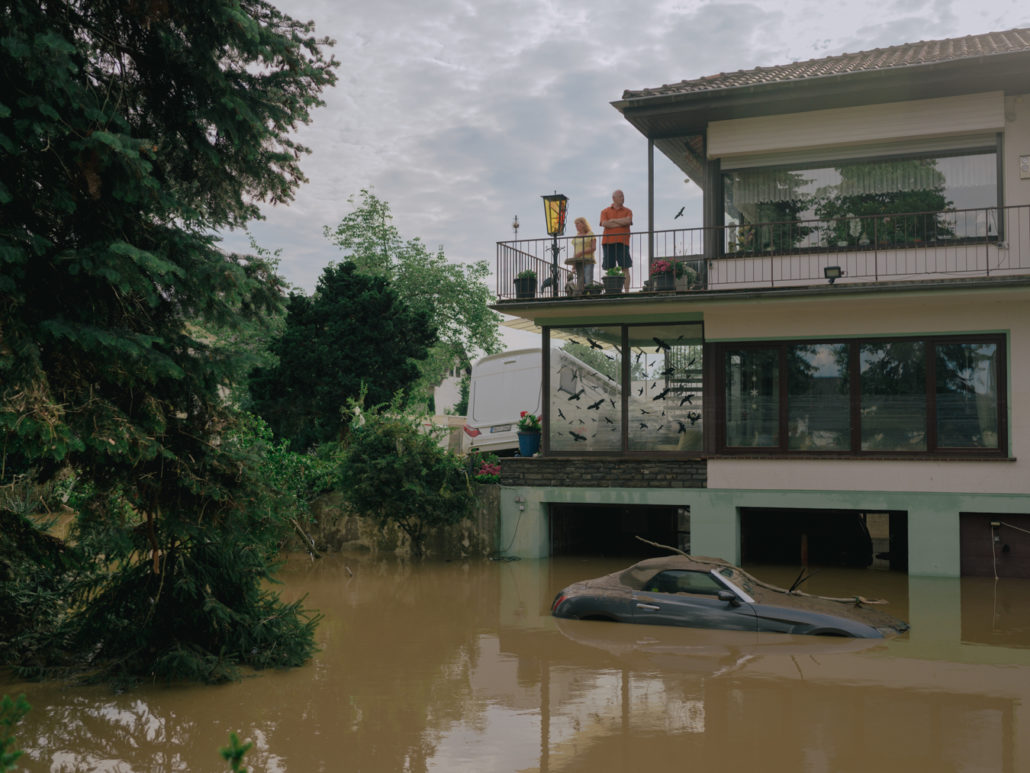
{"x": 459, "y": 667}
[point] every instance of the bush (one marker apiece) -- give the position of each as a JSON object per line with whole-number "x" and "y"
{"x": 395, "y": 472}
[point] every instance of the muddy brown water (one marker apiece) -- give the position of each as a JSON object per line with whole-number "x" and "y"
{"x": 452, "y": 667}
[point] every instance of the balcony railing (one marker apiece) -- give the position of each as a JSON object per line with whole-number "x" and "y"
{"x": 993, "y": 241}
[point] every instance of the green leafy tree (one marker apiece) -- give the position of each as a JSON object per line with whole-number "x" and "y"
{"x": 130, "y": 132}
{"x": 395, "y": 472}
{"x": 353, "y": 331}
{"x": 454, "y": 296}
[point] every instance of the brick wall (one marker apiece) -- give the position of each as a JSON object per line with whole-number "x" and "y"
{"x": 604, "y": 473}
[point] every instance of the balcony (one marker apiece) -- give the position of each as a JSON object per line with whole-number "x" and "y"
{"x": 921, "y": 246}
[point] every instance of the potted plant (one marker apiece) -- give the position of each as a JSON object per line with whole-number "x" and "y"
{"x": 593, "y": 288}
{"x": 614, "y": 280}
{"x": 528, "y": 431}
{"x": 663, "y": 275}
{"x": 525, "y": 284}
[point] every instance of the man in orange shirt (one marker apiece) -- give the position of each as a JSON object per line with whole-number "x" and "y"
{"x": 616, "y": 220}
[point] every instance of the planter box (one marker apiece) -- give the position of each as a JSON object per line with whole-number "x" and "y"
{"x": 663, "y": 281}
{"x": 525, "y": 288}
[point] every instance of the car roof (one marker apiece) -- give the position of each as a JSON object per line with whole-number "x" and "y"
{"x": 638, "y": 575}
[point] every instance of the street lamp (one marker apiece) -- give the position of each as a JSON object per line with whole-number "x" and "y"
{"x": 556, "y": 207}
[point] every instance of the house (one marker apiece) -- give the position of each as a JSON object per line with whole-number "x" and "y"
{"x": 841, "y": 370}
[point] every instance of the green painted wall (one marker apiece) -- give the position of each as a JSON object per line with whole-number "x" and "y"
{"x": 933, "y": 518}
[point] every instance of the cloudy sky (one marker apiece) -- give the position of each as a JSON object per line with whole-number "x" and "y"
{"x": 462, "y": 113}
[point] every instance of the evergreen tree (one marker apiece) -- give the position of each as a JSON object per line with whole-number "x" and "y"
{"x": 353, "y": 332}
{"x": 130, "y": 132}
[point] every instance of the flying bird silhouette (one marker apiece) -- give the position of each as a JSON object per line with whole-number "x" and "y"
{"x": 661, "y": 395}
{"x": 679, "y": 214}
{"x": 687, "y": 399}
{"x": 595, "y": 406}
{"x": 661, "y": 344}
{"x": 576, "y": 396}
{"x": 577, "y": 436}
{"x": 693, "y": 416}
{"x": 594, "y": 344}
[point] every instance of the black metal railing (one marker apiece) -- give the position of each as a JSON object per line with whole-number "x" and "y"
{"x": 990, "y": 241}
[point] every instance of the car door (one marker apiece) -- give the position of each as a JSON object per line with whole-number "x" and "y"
{"x": 690, "y": 599}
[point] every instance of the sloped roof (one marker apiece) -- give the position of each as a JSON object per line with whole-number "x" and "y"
{"x": 906, "y": 55}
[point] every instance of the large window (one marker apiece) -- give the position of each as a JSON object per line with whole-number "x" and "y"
{"x": 886, "y": 396}
{"x": 856, "y": 203}
{"x": 625, "y": 389}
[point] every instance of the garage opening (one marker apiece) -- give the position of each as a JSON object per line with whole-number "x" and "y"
{"x": 850, "y": 538}
{"x": 994, "y": 545}
{"x": 611, "y": 530}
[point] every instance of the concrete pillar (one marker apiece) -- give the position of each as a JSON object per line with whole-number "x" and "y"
{"x": 715, "y": 528}
{"x": 524, "y": 524}
{"x": 933, "y": 539}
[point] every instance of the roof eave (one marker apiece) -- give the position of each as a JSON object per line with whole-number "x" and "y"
{"x": 666, "y": 115}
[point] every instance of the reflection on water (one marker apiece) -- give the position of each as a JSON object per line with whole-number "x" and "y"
{"x": 460, "y": 668}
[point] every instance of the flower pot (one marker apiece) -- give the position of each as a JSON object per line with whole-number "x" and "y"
{"x": 613, "y": 284}
{"x": 526, "y": 287}
{"x": 529, "y": 443}
{"x": 663, "y": 281}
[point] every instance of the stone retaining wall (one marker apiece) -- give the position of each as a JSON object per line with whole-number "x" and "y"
{"x": 336, "y": 529}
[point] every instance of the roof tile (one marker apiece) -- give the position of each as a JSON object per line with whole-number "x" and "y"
{"x": 906, "y": 55}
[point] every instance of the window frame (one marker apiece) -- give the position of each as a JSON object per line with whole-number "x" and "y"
{"x": 717, "y": 398}
{"x": 625, "y": 449}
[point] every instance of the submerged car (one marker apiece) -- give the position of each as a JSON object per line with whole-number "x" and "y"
{"x": 701, "y": 592}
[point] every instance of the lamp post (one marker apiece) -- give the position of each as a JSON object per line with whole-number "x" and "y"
{"x": 556, "y": 207}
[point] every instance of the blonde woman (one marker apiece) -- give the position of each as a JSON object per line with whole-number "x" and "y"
{"x": 583, "y": 246}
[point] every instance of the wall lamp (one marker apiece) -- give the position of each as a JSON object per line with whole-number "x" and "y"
{"x": 832, "y": 273}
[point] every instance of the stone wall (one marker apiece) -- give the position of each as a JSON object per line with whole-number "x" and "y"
{"x": 336, "y": 529}
{"x": 597, "y": 472}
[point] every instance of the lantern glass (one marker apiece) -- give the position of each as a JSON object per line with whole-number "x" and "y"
{"x": 555, "y": 210}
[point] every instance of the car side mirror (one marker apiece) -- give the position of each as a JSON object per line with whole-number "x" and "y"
{"x": 729, "y": 597}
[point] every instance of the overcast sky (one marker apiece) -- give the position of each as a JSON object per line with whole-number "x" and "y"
{"x": 462, "y": 113}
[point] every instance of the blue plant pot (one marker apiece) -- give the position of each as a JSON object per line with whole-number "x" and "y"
{"x": 529, "y": 443}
